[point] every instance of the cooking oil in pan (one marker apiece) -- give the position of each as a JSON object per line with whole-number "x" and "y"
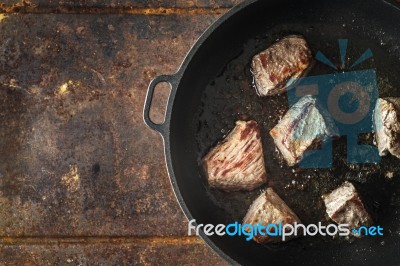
{"x": 230, "y": 96}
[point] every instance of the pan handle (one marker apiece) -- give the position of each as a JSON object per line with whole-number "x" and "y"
{"x": 149, "y": 98}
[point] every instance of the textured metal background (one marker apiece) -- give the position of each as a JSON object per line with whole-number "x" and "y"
{"x": 82, "y": 179}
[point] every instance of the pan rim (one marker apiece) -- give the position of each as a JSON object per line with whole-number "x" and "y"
{"x": 166, "y": 134}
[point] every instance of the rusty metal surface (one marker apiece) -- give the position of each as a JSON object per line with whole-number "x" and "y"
{"x": 110, "y": 254}
{"x": 161, "y": 6}
{"x": 77, "y": 164}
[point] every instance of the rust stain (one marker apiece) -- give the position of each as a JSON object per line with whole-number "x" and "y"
{"x": 63, "y": 89}
{"x": 158, "y": 11}
{"x": 12, "y": 8}
{"x": 176, "y": 11}
{"x": 72, "y": 179}
{"x": 152, "y": 240}
{"x": 2, "y": 16}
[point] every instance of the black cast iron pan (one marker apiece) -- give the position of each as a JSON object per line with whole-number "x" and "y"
{"x": 213, "y": 89}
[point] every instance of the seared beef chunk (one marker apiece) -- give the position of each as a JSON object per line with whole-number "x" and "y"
{"x": 237, "y": 163}
{"x": 344, "y": 206}
{"x": 280, "y": 64}
{"x": 267, "y": 209}
{"x": 302, "y": 128}
{"x": 387, "y": 126}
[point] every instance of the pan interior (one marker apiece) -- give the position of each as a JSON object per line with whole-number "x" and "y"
{"x": 216, "y": 90}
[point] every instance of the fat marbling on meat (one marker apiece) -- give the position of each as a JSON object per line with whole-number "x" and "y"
{"x": 267, "y": 209}
{"x": 387, "y": 126}
{"x": 344, "y": 206}
{"x": 237, "y": 163}
{"x": 280, "y": 64}
{"x": 302, "y": 128}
